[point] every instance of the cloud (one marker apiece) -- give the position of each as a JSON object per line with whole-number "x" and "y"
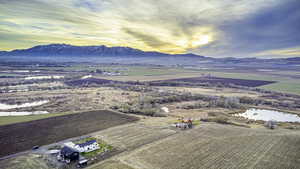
{"x": 286, "y": 52}
{"x": 269, "y": 28}
{"x": 149, "y": 40}
{"x": 208, "y": 27}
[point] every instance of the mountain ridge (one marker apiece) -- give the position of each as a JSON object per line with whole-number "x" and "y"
{"x": 72, "y": 50}
{"x": 57, "y": 49}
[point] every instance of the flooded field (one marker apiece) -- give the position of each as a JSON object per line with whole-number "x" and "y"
{"x": 13, "y": 106}
{"x": 266, "y": 115}
{"x": 87, "y": 76}
{"x": 43, "y": 77}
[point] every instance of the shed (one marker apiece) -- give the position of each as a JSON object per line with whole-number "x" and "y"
{"x": 68, "y": 154}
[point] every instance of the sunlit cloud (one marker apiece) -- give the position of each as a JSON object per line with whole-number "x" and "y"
{"x": 288, "y": 52}
{"x": 207, "y": 27}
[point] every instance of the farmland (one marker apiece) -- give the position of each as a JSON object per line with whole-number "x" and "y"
{"x": 207, "y": 146}
{"x": 213, "y": 147}
{"x": 151, "y": 143}
{"x": 23, "y": 136}
{"x": 213, "y": 96}
{"x": 285, "y": 80}
{"x": 225, "y": 81}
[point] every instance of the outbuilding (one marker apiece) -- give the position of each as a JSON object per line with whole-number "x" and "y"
{"x": 68, "y": 154}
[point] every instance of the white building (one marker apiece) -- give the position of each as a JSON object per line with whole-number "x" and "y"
{"x": 88, "y": 146}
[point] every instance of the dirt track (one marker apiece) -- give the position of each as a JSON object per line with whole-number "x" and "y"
{"x": 23, "y": 136}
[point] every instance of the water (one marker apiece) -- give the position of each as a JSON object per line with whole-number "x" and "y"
{"x": 22, "y": 113}
{"x": 43, "y": 77}
{"x": 266, "y": 115}
{"x": 265, "y": 70}
{"x": 87, "y": 76}
{"x": 13, "y": 106}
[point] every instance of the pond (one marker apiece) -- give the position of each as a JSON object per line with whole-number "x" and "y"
{"x": 13, "y": 106}
{"x": 266, "y": 115}
{"x": 22, "y": 113}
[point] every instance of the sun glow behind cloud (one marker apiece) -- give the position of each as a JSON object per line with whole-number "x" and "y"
{"x": 208, "y": 27}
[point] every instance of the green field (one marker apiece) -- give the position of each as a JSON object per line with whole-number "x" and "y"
{"x": 284, "y": 83}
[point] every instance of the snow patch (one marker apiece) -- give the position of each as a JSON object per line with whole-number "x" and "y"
{"x": 22, "y": 113}
{"x": 13, "y": 106}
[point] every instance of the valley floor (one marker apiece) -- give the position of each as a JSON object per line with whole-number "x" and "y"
{"x": 152, "y": 144}
{"x": 222, "y": 141}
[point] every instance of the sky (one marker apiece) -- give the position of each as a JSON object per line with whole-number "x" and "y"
{"x": 214, "y": 28}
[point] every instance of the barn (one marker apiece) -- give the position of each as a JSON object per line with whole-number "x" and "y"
{"x": 68, "y": 154}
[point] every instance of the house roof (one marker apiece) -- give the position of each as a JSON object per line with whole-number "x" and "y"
{"x": 87, "y": 143}
{"x": 67, "y": 150}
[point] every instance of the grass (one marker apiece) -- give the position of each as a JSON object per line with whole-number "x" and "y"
{"x": 5, "y": 120}
{"x": 195, "y": 122}
{"x": 155, "y": 71}
{"x": 292, "y": 87}
{"x": 283, "y": 83}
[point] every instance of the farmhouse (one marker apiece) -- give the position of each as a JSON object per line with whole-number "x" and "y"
{"x": 88, "y": 146}
{"x": 68, "y": 154}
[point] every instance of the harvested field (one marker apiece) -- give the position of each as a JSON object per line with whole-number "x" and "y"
{"x": 112, "y": 165}
{"x": 224, "y": 81}
{"x": 219, "y": 146}
{"x": 23, "y": 136}
{"x": 134, "y": 135}
{"x": 31, "y": 161}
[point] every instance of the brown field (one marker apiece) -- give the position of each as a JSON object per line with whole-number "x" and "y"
{"x": 224, "y": 81}
{"x": 131, "y": 136}
{"x": 214, "y": 91}
{"x": 208, "y": 145}
{"x": 31, "y": 161}
{"x": 152, "y": 143}
{"x": 219, "y": 146}
{"x": 114, "y": 165}
{"x": 23, "y": 136}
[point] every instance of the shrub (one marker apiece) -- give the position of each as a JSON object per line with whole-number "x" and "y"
{"x": 221, "y": 120}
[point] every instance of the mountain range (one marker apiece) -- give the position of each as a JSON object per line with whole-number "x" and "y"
{"x": 70, "y": 50}
{"x": 65, "y": 50}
